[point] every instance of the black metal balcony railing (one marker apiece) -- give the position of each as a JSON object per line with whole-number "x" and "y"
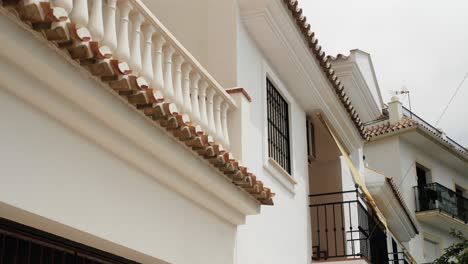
{"x": 434, "y": 196}
{"x": 398, "y": 258}
{"x": 345, "y": 226}
{"x": 435, "y": 130}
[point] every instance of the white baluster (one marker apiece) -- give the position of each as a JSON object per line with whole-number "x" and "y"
{"x": 210, "y": 109}
{"x": 96, "y": 24}
{"x": 187, "y": 106}
{"x": 158, "y": 80}
{"x": 168, "y": 90}
{"x": 65, "y": 4}
{"x": 203, "y": 110}
{"x": 147, "y": 72}
{"x": 135, "y": 52}
{"x": 123, "y": 49}
{"x": 217, "y": 119}
{"x": 224, "y": 110}
{"x": 195, "y": 102}
{"x": 79, "y": 13}
{"x": 110, "y": 31}
{"x": 178, "y": 97}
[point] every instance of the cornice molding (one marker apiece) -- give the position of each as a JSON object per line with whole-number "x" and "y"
{"x": 389, "y": 204}
{"x": 351, "y": 69}
{"x": 82, "y": 103}
{"x": 274, "y": 16}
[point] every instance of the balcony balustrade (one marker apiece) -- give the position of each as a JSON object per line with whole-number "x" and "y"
{"x": 127, "y": 32}
{"x": 435, "y": 196}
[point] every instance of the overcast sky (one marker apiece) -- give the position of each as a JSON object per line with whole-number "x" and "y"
{"x": 418, "y": 44}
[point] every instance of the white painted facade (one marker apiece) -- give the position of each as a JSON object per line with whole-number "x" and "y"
{"x": 97, "y": 172}
{"x": 81, "y": 163}
{"x": 397, "y": 155}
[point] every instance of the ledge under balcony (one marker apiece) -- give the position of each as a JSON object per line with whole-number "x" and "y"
{"x": 441, "y": 207}
{"x": 110, "y": 71}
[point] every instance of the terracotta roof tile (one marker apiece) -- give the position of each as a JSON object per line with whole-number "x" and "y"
{"x": 406, "y": 122}
{"x": 338, "y": 57}
{"x": 239, "y": 90}
{"x": 151, "y": 103}
{"x": 386, "y": 127}
{"x": 397, "y": 194}
{"x": 323, "y": 60}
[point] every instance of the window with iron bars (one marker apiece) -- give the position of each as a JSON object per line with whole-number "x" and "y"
{"x": 23, "y": 244}
{"x": 278, "y": 127}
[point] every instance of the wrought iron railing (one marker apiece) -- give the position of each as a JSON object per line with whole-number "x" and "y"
{"x": 398, "y": 258}
{"x": 435, "y": 130}
{"x": 434, "y": 196}
{"x": 345, "y": 226}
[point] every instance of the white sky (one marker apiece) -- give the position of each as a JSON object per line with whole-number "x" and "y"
{"x": 418, "y": 44}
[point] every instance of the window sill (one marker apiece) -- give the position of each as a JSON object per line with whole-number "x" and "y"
{"x": 280, "y": 175}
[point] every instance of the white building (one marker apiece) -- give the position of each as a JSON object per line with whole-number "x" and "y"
{"x": 188, "y": 132}
{"x": 429, "y": 170}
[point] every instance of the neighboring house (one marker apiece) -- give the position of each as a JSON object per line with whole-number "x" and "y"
{"x": 430, "y": 171}
{"x": 155, "y": 131}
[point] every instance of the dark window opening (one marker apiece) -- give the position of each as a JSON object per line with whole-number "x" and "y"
{"x": 428, "y": 195}
{"x": 421, "y": 174}
{"x": 22, "y": 244}
{"x": 311, "y": 150}
{"x": 461, "y": 202}
{"x": 395, "y": 251}
{"x": 278, "y": 127}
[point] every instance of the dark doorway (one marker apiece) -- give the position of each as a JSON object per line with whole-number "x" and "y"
{"x": 421, "y": 174}
{"x": 425, "y": 191}
{"x": 461, "y": 203}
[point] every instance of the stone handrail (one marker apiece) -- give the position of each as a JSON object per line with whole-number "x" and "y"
{"x": 135, "y": 36}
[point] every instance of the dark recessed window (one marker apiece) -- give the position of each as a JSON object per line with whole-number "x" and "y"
{"x": 278, "y": 127}
{"x": 310, "y": 140}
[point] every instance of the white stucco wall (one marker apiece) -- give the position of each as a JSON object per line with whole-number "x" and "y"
{"x": 439, "y": 171}
{"x": 384, "y": 156}
{"x": 280, "y": 234}
{"x": 48, "y": 170}
{"x": 396, "y": 158}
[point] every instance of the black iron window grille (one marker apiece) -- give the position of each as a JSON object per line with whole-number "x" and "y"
{"x": 22, "y": 244}
{"x": 278, "y": 127}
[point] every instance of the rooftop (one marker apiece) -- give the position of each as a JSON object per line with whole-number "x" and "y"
{"x": 409, "y": 120}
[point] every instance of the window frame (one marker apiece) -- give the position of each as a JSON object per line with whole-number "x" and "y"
{"x": 269, "y": 164}
{"x": 427, "y": 171}
{"x": 278, "y": 125}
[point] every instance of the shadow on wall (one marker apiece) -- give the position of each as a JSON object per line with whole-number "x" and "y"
{"x": 325, "y": 177}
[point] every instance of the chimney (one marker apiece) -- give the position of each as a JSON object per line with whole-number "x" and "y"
{"x": 395, "y": 110}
